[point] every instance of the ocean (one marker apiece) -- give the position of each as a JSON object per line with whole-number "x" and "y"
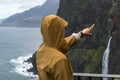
{"x": 16, "y": 45}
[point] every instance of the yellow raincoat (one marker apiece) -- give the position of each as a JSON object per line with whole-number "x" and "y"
{"x": 51, "y": 61}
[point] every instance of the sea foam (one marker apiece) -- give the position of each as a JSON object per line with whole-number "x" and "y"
{"x": 21, "y": 66}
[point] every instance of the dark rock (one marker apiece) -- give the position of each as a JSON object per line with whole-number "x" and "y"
{"x": 33, "y": 61}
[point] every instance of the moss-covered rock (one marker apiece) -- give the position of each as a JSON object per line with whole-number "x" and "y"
{"x": 86, "y": 60}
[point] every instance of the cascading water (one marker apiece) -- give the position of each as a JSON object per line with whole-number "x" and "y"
{"x": 106, "y": 59}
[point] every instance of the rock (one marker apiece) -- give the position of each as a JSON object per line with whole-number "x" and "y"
{"x": 33, "y": 61}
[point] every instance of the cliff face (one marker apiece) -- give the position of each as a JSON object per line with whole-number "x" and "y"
{"x": 115, "y": 44}
{"x": 81, "y": 14}
{"x": 115, "y": 51}
{"x": 86, "y": 55}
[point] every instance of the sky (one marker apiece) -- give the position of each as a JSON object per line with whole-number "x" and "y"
{"x": 10, "y": 7}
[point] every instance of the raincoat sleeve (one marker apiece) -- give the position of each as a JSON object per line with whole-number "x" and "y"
{"x": 62, "y": 71}
{"x": 71, "y": 40}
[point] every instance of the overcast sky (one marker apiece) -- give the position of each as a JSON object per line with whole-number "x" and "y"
{"x": 10, "y": 7}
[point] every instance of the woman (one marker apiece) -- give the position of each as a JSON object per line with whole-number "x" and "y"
{"x": 51, "y": 61}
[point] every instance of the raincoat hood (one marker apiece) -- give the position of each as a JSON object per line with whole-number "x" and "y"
{"x": 53, "y": 30}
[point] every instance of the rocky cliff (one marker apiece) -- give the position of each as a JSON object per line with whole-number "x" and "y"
{"x": 86, "y": 55}
{"x": 115, "y": 44}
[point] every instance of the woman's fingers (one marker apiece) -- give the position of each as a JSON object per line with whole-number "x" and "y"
{"x": 91, "y": 27}
{"x": 87, "y": 31}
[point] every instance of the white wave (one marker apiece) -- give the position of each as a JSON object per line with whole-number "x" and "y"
{"x": 20, "y": 59}
{"x": 21, "y": 66}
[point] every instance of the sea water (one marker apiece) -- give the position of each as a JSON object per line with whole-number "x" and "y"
{"x": 16, "y": 45}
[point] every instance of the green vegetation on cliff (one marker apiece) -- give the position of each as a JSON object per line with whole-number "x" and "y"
{"x": 83, "y": 13}
{"x": 86, "y": 55}
{"x": 86, "y": 60}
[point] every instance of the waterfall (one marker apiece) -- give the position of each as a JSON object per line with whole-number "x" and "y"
{"x": 106, "y": 59}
